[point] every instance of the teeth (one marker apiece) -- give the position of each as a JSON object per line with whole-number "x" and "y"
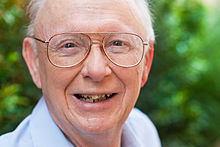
{"x": 94, "y": 98}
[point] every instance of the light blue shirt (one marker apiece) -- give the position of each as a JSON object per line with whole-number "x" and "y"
{"x": 39, "y": 130}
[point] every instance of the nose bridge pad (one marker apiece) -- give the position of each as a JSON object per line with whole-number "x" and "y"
{"x": 96, "y": 43}
{"x": 99, "y": 44}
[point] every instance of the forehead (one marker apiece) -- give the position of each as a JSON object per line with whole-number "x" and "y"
{"x": 58, "y": 16}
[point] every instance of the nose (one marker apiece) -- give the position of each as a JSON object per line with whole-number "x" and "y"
{"x": 96, "y": 66}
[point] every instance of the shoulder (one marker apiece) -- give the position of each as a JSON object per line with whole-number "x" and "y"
{"x": 143, "y": 128}
{"x": 141, "y": 120}
{"x": 20, "y": 137}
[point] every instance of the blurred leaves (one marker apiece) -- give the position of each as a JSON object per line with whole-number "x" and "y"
{"x": 182, "y": 93}
{"x": 17, "y": 92}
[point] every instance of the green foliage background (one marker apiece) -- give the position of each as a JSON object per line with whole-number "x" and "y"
{"x": 182, "y": 94}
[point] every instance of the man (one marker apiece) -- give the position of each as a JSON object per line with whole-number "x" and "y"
{"x": 90, "y": 58}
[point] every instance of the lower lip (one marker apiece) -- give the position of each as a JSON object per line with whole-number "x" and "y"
{"x": 87, "y": 106}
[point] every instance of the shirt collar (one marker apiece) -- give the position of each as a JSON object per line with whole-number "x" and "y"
{"x": 44, "y": 131}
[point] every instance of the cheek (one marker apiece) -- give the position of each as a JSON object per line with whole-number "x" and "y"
{"x": 58, "y": 81}
{"x": 131, "y": 79}
{"x": 52, "y": 78}
{"x": 55, "y": 80}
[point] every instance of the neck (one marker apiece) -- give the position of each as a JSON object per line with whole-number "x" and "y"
{"x": 110, "y": 138}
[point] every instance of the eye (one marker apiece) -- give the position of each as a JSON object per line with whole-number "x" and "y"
{"x": 117, "y": 43}
{"x": 69, "y": 45}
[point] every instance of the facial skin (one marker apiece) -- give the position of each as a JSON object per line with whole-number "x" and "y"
{"x": 80, "y": 121}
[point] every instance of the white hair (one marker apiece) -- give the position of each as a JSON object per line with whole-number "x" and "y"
{"x": 141, "y": 10}
{"x": 139, "y": 7}
{"x": 32, "y": 11}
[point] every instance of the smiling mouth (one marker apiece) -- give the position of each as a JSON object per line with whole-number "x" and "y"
{"x": 94, "y": 98}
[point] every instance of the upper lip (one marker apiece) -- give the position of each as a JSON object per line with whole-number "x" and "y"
{"x": 95, "y": 93}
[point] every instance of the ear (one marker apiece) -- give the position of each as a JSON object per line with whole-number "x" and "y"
{"x": 148, "y": 58}
{"x": 31, "y": 60}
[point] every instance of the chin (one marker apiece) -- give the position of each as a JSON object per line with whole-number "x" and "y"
{"x": 96, "y": 123}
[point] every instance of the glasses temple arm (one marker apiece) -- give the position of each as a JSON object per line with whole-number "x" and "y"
{"x": 38, "y": 39}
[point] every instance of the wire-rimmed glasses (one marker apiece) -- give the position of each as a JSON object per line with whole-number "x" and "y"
{"x": 70, "y": 49}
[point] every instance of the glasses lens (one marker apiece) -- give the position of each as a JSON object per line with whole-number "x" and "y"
{"x": 123, "y": 49}
{"x": 67, "y": 50}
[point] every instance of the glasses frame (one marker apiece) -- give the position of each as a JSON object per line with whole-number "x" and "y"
{"x": 91, "y": 43}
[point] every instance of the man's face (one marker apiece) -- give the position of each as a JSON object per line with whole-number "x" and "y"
{"x": 96, "y": 75}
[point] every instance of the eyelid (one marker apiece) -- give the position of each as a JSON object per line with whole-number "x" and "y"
{"x": 64, "y": 42}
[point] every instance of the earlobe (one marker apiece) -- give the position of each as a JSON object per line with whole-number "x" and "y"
{"x": 148, "y": 58}
{"x": 31, "y": 60}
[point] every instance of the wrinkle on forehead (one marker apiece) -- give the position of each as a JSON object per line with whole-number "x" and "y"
{"x": 55, "y": 12}
{"x": 59, "y": 7}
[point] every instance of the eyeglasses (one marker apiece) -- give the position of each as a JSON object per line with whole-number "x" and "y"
{"x": 70, "y": 49}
